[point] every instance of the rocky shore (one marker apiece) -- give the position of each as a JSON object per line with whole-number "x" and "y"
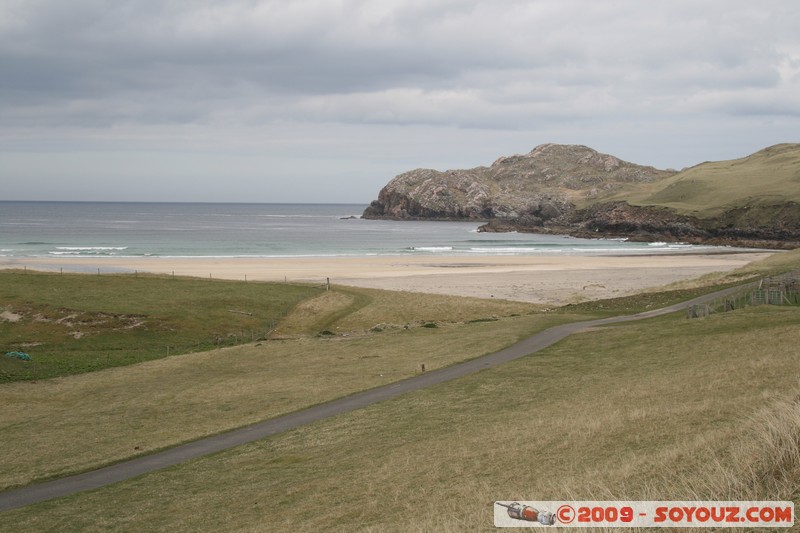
{"x": 655, "y": 224}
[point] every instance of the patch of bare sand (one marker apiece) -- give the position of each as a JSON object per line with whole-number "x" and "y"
{"x": 8, "y": 316}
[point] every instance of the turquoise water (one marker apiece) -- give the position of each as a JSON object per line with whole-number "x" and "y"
{"x": 76, "y": 229}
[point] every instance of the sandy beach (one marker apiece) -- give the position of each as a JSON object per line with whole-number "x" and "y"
{"x": 552, "y": 280}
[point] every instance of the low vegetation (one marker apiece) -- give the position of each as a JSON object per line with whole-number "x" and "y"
{"x": 74, "y": 323}
{"x": 768, "y": 177}
{"x": 666, "y": 408}
{"x": 331, "y": 344}
{"x": 662, "y": 409}
{"x": 355, "y": 311}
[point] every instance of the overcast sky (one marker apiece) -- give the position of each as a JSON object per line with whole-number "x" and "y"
{"x": 326, "y": 100}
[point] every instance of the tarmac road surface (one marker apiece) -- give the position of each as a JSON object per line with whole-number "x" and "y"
{"x": 57, "y": 488}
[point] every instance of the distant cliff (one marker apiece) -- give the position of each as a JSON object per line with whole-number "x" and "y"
{"x": 532, "y": 188}
{"x": 569, "y": 189}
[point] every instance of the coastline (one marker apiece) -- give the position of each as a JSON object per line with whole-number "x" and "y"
{"x": 539, "y": 279}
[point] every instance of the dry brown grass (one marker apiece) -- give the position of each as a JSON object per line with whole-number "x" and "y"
{"x": 356, "y": 310}
{"x": 710, "y": 188}
{"x": 635, "y": 411}
{"x": 74, "y": 423}
{"x": 763, "y": 465}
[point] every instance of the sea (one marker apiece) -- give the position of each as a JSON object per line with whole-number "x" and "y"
{"x": 222, "y": 230}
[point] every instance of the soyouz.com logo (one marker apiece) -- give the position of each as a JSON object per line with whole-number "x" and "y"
{"x": 644, "y": 514}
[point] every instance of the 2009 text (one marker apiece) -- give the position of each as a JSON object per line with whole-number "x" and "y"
{"x": 644, "y": 514}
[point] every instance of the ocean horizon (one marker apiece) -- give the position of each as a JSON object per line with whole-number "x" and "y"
{"x": 34, "y": 229}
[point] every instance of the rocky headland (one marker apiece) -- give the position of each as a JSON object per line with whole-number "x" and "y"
{"x": 575, "y": 190}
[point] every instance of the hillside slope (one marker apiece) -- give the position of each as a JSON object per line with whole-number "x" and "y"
{"x": 753, "y": 201}
{"x": 770, "y": 176}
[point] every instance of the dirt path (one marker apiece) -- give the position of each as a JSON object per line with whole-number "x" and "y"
{"x": 94, "y": 479}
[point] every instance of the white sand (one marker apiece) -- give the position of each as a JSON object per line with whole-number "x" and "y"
{"x": 536, "y": 279}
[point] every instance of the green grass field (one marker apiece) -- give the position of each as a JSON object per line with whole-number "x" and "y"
{"x": 661, "y": 409}
{"x": 73, "y": 323}
{"x": 768, "y": 177}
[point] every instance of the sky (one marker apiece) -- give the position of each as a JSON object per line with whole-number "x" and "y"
{"x": 325, "y": 101}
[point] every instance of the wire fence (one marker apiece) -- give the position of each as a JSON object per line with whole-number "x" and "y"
{"x": 774, "y": 290}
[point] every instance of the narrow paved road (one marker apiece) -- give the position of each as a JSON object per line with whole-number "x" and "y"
{"x": 94, "y": 479}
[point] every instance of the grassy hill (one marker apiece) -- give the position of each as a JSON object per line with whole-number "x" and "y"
{"x": 752, "y": 202}
{"x": 767, "y": 178}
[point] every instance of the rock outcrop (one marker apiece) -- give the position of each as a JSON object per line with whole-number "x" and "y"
{"x": 532, "y": 188}
{"x": 655, "y": 223}
{"x": 569, "y": 189}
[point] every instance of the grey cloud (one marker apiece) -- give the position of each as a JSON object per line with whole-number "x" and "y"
{"x": 146, "y": 69}
{"x": 96, "y": 47}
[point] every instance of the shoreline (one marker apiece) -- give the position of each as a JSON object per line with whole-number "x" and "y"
{"x": 539, "y": 279}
